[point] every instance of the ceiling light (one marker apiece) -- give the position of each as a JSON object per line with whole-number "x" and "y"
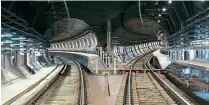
{"x": 169, "y": 1}
{"x": 158, "y": 21}
{"x": 159, "y": 15}
{"x": 164, "y": 9}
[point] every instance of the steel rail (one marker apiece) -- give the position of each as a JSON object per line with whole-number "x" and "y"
{"x": 129, "y": 96}
{"x": 165, "y": 85}
{"x": 177, "y": 97}
{"x": 82, "y": 94}
{"x": 81, "y": 91}
{"x": 36, "y": 96}
{"x": 28, "y": 89}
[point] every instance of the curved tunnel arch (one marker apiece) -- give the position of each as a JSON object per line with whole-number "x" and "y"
{"x": 133, "y": 32}
{"x": 74, "y": 32}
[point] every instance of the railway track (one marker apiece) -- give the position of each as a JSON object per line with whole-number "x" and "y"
{"x": 69, "y": 88}
{"x": 147, "y": 88}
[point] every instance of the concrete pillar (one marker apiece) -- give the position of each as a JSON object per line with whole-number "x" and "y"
{"x": 174, "y": 54}
{"x": 103, "y": 56}
{"x": 28, "y": 61}
{"x": 191, "y": 54}
{"x": 179, "y": 54}
{"x": 96, "y": 65}
{"x": 2, "y": 60}
{"x": 108, "y": 37}
{"x": 20, "y": 63}
{"x": 109, "y": 63}
{"x": 33, "y": 61}
{"x": 10, "y": 67}
{"x": 182, "y": 55}
{"x": 114, "y": 66}
{"x": 38, "y": 63}
{"x": 106, "y": 59}
{"x": 100, "y": 51}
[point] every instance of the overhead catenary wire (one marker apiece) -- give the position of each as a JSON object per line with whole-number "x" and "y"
{"x": 66, "y": 9}
{"x": 140, "y": 15}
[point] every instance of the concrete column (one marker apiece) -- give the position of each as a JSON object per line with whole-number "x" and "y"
{"x": 108, "y": 37}
{"x": 103, "y": 56}
{"x": 20, "y": 63}
{"x": 114, "y": 66}
{"x": 106, "y": 59}
{"x": 33, "y": 61}
{"x": 28, "y": 61}
{"x": 109, "y": 63}
{"x": 6, "y": 69}
{"x": 2, "y": 60}
{"x": 96, "y": 65}
{"x": 47, "y": 59}
{"x": 191, "y": 54}
{"x": 179, "y": 54}
{"x": 10, "y": 67}
{"x": 171, "y": 54}
{"x": 100, "y": 52}
{"x": 174, "y": 55}
{"x": 38, "y": 63}
{"x": 182, "y": 55}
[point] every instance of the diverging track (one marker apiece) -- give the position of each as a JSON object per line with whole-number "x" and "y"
{"x": 147, "y": 88}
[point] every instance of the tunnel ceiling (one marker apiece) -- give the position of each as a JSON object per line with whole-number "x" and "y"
{"x": 41, "y": 15}
{"x": 133, "y": 32}
{"x": 60, "y": 30}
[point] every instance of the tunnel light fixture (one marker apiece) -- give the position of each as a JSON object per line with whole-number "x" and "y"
{"x": 164, "y": 9}
{"x": 158, "y": 21}
{"x": 159, "y": 15}
{"x": 169, "y": 1}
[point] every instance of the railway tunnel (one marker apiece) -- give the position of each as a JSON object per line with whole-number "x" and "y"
{"x": 105, "y": 52}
